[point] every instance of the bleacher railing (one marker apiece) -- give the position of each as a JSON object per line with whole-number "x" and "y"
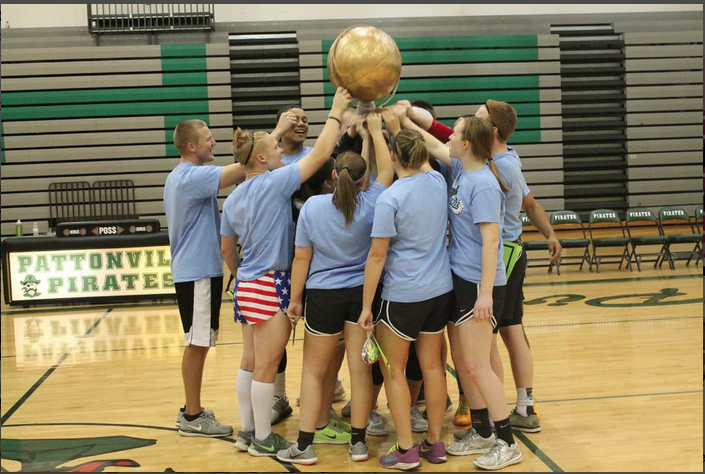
{"x": 143, "y": 17}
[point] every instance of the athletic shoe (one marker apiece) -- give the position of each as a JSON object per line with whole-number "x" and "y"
{"x": 306, "y": 457}
{"x": 421, "y": 399}
{"x": 527, "y": 424}
{"x": 342, "y": 424}
{"x": 435, "y": 453}
{"x": 499, "y": 456}
{"x": 462, "y": 433}
{"x": 396, "y": 460}
{"x": 376, "y": 425}
{"x": 244, "y": 440}
{"x": 182, "y": 410}
{"x": 471, "y": 443}
{"x": 331, "y": 434}
{"x": 339, "y": 394}
{"x": 359, "y": 452}
{"x": 205, "y": 425}
{"x": 346, "y": 411}
{"x": 418, "y": 423}
{"x": 462, "y": 414}
{"x": 268, "y": 447}
{"x": 281, "y": 409}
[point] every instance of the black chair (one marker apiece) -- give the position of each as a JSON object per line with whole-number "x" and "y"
{"x": 643, "y": 229}
{"x": 606, "y": 230}
{"x": 675, "y": 223}
{"x": 565, "y": 224}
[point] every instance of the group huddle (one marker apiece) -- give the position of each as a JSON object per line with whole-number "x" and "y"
{"x": 413, "y": 228}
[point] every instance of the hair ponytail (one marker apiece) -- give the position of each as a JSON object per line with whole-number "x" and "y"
{"x": 244, "y": 144}
{"x": 479, "y": 133}
{"x": 495, "y": 172}
{"x": 350, "y": 168}
{"x": 410, "y": 149}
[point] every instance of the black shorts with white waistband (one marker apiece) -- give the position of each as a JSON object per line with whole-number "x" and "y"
{"x": 408, "y": 320}
{"x": 466, "y": 293}
{"x": 327, "y": 311}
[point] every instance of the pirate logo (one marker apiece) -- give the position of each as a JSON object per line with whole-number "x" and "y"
{"x": 29, "y": 286}
{"x": 456, "y": 205}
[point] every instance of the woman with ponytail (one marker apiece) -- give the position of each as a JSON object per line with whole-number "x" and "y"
{"x": 409, "y": 244}
{"x": 259, "y": 214}
{"x": 332, "y": 241}
{"x": 476, "y": 212}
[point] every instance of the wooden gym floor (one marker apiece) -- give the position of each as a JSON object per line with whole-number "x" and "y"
{"x": 96, "y": 388}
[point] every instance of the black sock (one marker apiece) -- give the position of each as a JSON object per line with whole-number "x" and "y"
{"x": 305, "y": 440}
{"x": 358, "y": 435}
{"x": 504, "y": 431}
{"x": 481, "y": 422}
{"x": 191, "y": 417}
{"x": 403, "y": 451}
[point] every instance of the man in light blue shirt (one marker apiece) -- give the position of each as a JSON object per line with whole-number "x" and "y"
{"x": 191, "y": 204}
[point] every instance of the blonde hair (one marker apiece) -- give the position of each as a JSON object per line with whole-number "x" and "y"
{"x": 409, "y": 147}
{"x": 350, "y": 168}
{"x": 479, "y": 133}
{"x": 186, "y": 131}
{"x": 245, "y": 143}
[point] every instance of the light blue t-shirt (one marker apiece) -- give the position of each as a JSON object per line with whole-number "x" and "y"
{"x": 475, "y": 198}
{"x": 509, "y": 166}
{"x": 412, "y": 212}
{"x": 191, "y": 204}
{"x": 291, "y": 159}
{"x": 259, "y": 212}
{"x": 339, "y": 252}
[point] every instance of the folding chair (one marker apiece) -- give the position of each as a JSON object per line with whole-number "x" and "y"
{"x": 699, "y": 227}
{"x": 529, "y": 235}
{"x": 643, "y": 229}
{"x": 675, "y": 223}
{"x": 566, "y": 224}
{"x": 606, "y": 230}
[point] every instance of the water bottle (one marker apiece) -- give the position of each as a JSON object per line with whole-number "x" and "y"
{"x": 18, "y": 228}
{"x": 35, "y": 229}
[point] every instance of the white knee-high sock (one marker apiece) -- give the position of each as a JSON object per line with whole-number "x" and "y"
{"x": 262, "y": 399}
{"x": 244, "y": 399}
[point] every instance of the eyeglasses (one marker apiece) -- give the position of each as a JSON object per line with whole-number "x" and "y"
{"x": 489, "y": 115}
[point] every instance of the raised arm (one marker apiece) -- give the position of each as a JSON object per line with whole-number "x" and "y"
{"x": 231, "y": 175}
{"x": 286, "y": 121}
{"x": 326, "y": 140}
{"x": 385, "y": 171}
{"x": 435, "y": 147}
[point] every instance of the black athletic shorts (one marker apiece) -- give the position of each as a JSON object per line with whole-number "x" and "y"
{"x": 199, "y": 307}
{"x": 408, "y": 320}
{"x": 513, "y": 311}
{"x": 327, "y": 311}
{"x": 466, "y": 294}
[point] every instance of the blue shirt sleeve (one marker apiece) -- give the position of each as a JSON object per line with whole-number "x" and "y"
{"x": 287, "y": 180}
{"x": 486, "y": 206}
{"x": 204, "y": 181}
{"x": 525, "y": 191}
{"x": 383, "y": 224}
{"x": 302, "y": 237}
{"x": 225, "y": 227}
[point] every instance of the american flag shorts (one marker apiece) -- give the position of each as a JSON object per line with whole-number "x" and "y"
{"x": 259, "y": 300}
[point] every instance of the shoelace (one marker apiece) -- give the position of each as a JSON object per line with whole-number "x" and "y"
{"x": 335, "y": 429}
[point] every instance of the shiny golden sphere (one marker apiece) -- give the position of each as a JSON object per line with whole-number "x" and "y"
{"x": 366, "y": 61}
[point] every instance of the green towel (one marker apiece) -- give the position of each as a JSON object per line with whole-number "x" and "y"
{"x": 512, "y": 253}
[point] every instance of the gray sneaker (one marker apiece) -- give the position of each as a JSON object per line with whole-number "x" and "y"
{"x": 281, "y": 409}
{"x": 205, "y": 425}
{"x": 292, "y": 454}
{"x": 499, "y": 456}
{"x": 268, "y": 447}
{"x": 346, "y": 411}
{"x": 418, "y": 423}
{"x": 527, "y": 424}
{"x": 359, "y": 452}
{"x": 339, "y": 394}
{"x": 182, "y": 410}
{"x": 462, "y": 433}
{"x": 472, "y": 443}
{"x": 244, "y": 439}
{"x": 375, "y": 424}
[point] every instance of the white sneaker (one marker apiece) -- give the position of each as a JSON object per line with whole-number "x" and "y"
{"x": 339, "y": 394}
{"x": 418, "y": 423}
{"x": 376, "y": 425}
{"x": 500, "y": 456}
{"x": 471, "y": 443}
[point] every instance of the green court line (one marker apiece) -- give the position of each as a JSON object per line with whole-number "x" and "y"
{"x": 537, "y": 451}
{"x": 611, "y": 280}
{"x": 50, "y": 371}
